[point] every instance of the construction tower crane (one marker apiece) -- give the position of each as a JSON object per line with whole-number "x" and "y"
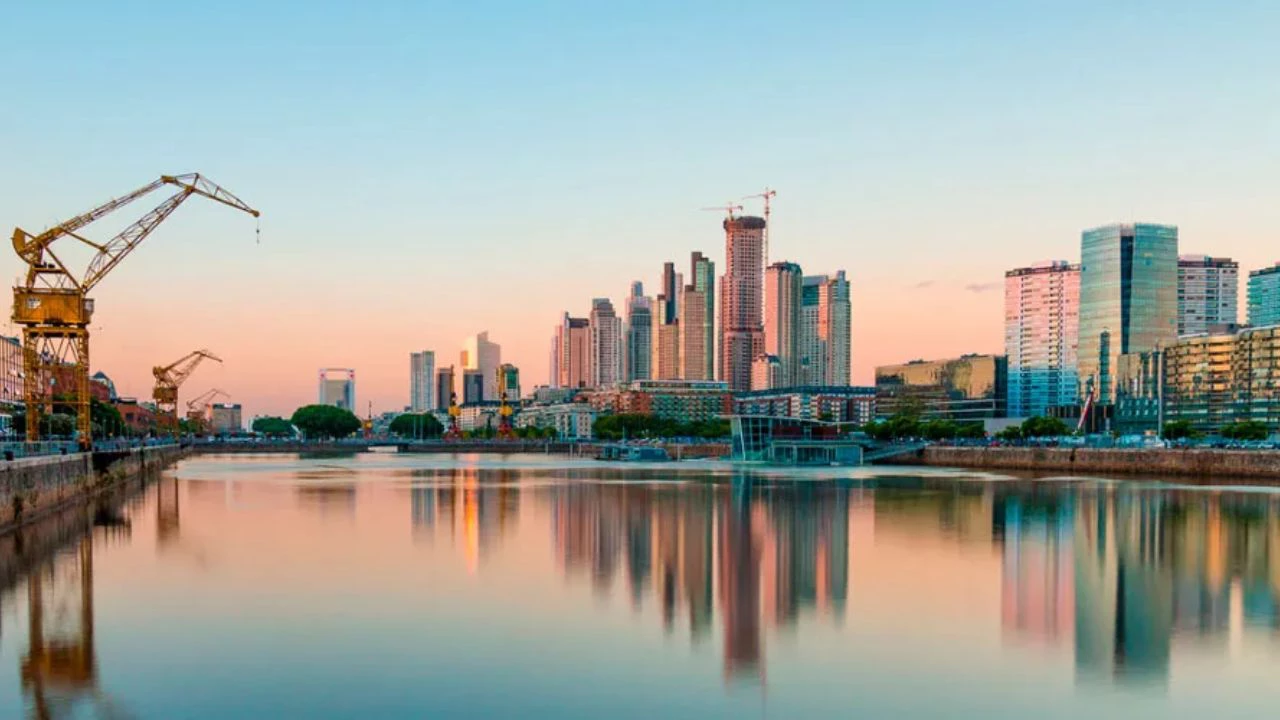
{"x": 168, "y": 379}
{"x": 728, "y": 208}
{"x": 767, "y": 196}
{"x": 52, "y": 304}
{"x": 198, "y": 409}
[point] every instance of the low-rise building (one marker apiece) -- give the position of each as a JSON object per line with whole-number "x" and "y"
{"x": 679, "y": 400}
{"x": 571, "y": 421}
{"x": 843, "y": 404}
{"x": 225, "y": 419}
{"x": 970, "y": 387}
{"x": 478, "y": 415}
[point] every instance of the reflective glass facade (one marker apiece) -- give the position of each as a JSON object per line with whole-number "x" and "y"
{"x": 1264, "y": 296}
{"x": 1128, "y": 299}
{"x": 970, "y": 387}
{"x": 1041, "y": 319}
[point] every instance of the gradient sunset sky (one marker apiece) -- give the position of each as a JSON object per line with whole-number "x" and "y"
{"x": 428, "y": 170}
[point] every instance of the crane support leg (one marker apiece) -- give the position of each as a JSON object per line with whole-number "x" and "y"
{"x": 55, "y": 365}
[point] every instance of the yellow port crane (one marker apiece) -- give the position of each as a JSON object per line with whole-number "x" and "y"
{"x": 168, "y": 379}
{"x": 52, "y": 304}
{"x": 198, "y": 409}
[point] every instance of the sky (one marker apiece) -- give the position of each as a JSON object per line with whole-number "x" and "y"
{"x": 429, "y": 170}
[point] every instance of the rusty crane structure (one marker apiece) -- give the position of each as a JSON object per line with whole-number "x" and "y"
{"x": 168, "y": 379}
{"x": 52, "y": 304}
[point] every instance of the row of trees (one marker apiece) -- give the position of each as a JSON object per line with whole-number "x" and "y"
{"x": 634, "y": 426}
{"x": 1245, "y": 431}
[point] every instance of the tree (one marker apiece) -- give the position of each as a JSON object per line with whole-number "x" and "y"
{"x": 1178, "y": 430}
{"x": 106, "y": 419}
{"x": 971, "y": 431}
{"x": 938, "y": 430}
{"x": 1035, "y": 427}
{"x": 1011, "y": 433}
{"x": 1246, "y": 430}
{"x": 325, "y": 421}
{"x": 272, "y": 427}
{"x": 409, "y": 425}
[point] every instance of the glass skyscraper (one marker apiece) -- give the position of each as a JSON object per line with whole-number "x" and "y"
{"x": 1264, "y": 296}
{"x": 1128, "y": 300}
{"x": 1041, "y": 319}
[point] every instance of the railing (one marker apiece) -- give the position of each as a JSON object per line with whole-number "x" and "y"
{"x": 44, "y": 448}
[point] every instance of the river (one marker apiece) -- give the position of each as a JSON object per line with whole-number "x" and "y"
{"x": 382, "y": 585}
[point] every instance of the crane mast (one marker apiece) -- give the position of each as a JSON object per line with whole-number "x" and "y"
{"x": 168, "y": 379}
{"x": 52, "y": 304}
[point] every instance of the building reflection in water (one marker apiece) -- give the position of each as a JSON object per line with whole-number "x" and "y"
{"x": 471, "y": 504}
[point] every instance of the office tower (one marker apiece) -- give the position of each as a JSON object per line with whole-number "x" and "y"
{"x": 1041, "y": 322}
{"x": 766, "y": 370}
{"x": 666, "y": 351}
{"x": 639, "y": 334}
{"x": 1208, "y": 293}
{"x": 670, "y": 289}
{"x": 606, "y": 344}
{"x": 484, "y": 357}
{"x": 825, "y": 330}
{"x": 693, "y": 348}
{"x": 1264, "y": 296}
{"x": 422, "y": 371}
{"x": 508, "y": 383}
{"x": 473, "y": 386}
{"x": 741, "y": 323}
{"x": 338, "y": 388}
{"x": 553, "y": 367}
{"x": 444, "y": 388}
{"x": 573, "y": 343}
{"x": 1128, "y": 300}
{"x": 703, "y": 273}
{"x": 782, "y": 322}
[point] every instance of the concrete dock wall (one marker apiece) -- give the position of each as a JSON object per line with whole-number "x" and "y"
{"x": 1201, "y": 463}
{"x": 31, "y": 487}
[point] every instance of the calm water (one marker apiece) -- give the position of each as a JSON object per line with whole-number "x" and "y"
{"x": 389, "y": 586}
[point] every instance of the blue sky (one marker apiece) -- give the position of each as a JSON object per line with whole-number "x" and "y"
{"x": 427, "y": 170}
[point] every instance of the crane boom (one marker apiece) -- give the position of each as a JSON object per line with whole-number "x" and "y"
{"x": 177, "y": 372}
{"x": 204, "y": 399}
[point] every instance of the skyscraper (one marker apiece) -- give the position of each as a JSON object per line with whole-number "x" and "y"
{"x": 422, "y": 372}
{"x": 741, "y": 330}
{"x": 338, "y": 388}
{"x": 606, "y": 344}
{"x": 508, "y": 382}
{"x": 1128, "y": 299}
{"x": 1208, "y": 293}
{"x": 692, "y": 342}
{"x": 782, "y": 323}
{"x": 703, "y": 273}
{"x": 473, "y": 386}
{"x": 1264, "y": 296}
{"x": 665, "y": 362}
{"x": 670, "y": 289}
{"x": 482, "y": 356}
{"x": 573, "y": 343}
{"x": 825, "y": 330}
{"x": 639, "y": 334}
{"x": 444, "y": 388}
{"x": 1041, "y": 325}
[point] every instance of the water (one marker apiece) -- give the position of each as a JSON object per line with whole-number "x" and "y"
{"x": 393, "y": 586}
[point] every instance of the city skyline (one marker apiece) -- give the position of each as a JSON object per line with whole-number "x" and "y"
{"x": 925, "y": 214}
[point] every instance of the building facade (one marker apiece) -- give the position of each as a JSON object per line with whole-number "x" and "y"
{"x": 338, "y": 388}
{"x": 639, "y": 333}
{"x": 1208, "y": 293}
{"x": 508, "y": 383}
{"x": 680, "y": 400}
{"x": 422, "y": 375}
{"x": 666, "y": 349}
{"x": 970, "y": 387}
{"x": 606, "y": 344}
{"x": 226, "y": 419}
{"x": 571, "y": 421}
{"x": 473, "y": 387}
{"x": 825, "y": 338}
{"x": 1264, "y": 296}
{"x": 573, "y": 350}
{"x": 783, "y": 294}
{"x": 1128, "y": 300}
{"x": 11, "y": 374}
{"x": 482, "y": 356}
{"x": 1041, "y": 326}
{"x": 845, "y": 404}
{"x": 703, "y": 272}
{"x": 445, "y": 388}
{"x": 693, "y": 324}
{"x": 741, "y": 319}
{"x": 766, "y": 373}
{"x": 1216, "y": 379}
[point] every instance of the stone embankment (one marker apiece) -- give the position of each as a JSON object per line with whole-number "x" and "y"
{"x": 32, "y": 487}
{"x": 1199, "y": 463}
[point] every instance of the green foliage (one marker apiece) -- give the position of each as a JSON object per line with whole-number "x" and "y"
{"x": 1038, "y": 427}
{"x": 1178, "y": 430}
{"x": 971, "y": 431}
{"x": 325, "y": 421}
{"x": 106, "y": 419}
{"x": 536, "y": 433}
{"x": 1010, "y": 434}
{"x": 272, "y": 427}
{"x": 190, "y": 427}
{"x": 1246, "y": 430}
{"x": 630, "y": 425}
{"x": 409, "y": 425}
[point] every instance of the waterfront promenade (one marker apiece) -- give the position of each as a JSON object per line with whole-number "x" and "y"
{"x": 1190, "y": 463}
